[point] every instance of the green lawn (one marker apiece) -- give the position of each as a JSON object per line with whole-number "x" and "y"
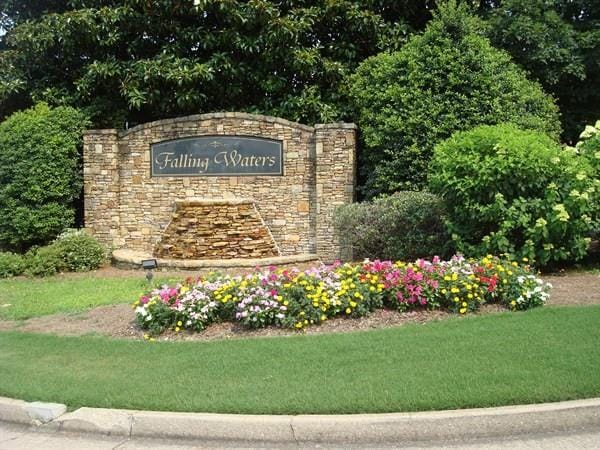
{"x": 547, "y": 354}
{"x": 22, "y": 298}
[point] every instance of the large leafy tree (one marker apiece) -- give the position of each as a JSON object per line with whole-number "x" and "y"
{"x": 558, "y": 42}
{"x": 448, "y": 79}
{"x": 139, "y": 60}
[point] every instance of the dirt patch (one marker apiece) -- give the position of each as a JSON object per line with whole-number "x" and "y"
{"x": 573, "y": 288}
{"x": 118, "y": 320}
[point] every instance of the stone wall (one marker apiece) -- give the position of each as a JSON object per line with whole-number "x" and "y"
{"x": 216, "y": 229}
{"x": 125, "y": 207}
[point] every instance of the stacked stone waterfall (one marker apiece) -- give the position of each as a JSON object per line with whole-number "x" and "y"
{"x": 216, "y": 229}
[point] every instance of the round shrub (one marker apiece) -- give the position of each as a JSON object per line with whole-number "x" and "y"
{"x": 513, "y": 191}
{"x": 404, "y": 226}
{"x": 79, "y": 251}
{"x": 40, "y": 174}
{"x": 44, "y": 262}
{"x": 11, "y": 264}
{"x": 448, "y": 79}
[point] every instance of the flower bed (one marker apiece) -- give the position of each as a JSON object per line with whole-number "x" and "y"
{"x": 298, "y": 299}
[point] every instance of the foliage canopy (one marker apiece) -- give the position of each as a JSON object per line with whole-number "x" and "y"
{"x": 140, "y": 60}
{"x": 448, "y": 79}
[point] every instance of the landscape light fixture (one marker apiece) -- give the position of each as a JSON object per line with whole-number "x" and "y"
{"x": 149, "y": 265}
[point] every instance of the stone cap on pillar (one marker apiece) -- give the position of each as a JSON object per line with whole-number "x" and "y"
{"x": 336, "y": 125}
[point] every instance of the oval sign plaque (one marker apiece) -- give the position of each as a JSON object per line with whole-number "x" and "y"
{"x": 217, "y": 156}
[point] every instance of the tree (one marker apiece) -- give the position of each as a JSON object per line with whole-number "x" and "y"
{"x": 558, "y": 42}
{"x": 141, "y": 60}
{"x": 448, "y": 79}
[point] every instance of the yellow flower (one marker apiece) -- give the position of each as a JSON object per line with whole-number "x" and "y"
{"x": 454, "y": 277}
{"x": 285, "y": 303}
{"x": 372, "y": 289}
{"x": 179, "y": 323}
{"x": 464, "y": 304}
{"x": 353, "y": 304}
{"x": 447, "y": 278}
{"x": 525, "y": 259}
{"x": 456, "y": 299}
{"x": 444, "y": 291}
{"x": 323, "y": 318}
{"x": 348, "y": 310}
{"x": 469, "y": 295}
{"x": 463, "y": 310}
{"x": 513, "y": 303}
{"x": 177, "y": 329}
{"x": 298, "y": 324}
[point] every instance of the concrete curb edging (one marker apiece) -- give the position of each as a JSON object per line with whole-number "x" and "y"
{"x": 34, "y": 413}
{"x": 133, "y": 258}
{"x": 334, "y": 429}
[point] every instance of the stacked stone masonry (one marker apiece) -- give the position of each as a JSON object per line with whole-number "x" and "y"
{"x": 125, "y": 207}
{"x": 205, "y": 229}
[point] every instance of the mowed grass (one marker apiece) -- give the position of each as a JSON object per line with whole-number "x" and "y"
{"x": 22, "y": 298}
{"x": 547, "y": 354}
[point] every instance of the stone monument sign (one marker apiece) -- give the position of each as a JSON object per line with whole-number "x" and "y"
{"x": 219, "y": 186}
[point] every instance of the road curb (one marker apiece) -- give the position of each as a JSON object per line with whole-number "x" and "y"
{"x": 318, "y": 429}
{"x": 34, "y": 413}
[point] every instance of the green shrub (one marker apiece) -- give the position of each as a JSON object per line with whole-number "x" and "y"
{"x": 448, "y": 79}
{"x": 589, "y": 148}
{"x": 404, "y": 226}
{"x": 79, "y": 251}
{"x": 516, "y": 192}
{"x": 40, "y": 174}
{"x": 11, "y": 264}
{"x": 44, "y": 262}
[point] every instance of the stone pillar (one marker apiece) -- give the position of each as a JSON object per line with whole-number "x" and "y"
{"x": 101, "y": 185}
{"x": 335, "y": 179}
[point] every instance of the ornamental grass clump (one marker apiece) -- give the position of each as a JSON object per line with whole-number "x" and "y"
{"x": 297, "y": 299}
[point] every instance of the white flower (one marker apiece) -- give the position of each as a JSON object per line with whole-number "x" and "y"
{"x": 141, "y": 311}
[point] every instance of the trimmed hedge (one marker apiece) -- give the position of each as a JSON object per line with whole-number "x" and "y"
{"x": 407, "y": 225}
{"x": 40, "y": 174}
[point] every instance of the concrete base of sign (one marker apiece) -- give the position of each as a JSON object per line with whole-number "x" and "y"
{"x": 133, "y": 259}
